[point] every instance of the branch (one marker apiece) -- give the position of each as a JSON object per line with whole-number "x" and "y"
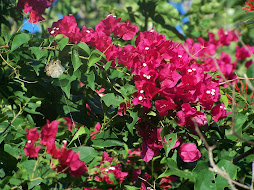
{"x": 214, "y": 167}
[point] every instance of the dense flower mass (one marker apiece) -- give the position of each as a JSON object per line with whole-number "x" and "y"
{"x": 108, "y": 167}
{"x": 68, "y": 161}
{"x": 36, "y": 8}
{"x": 167, "y": 75}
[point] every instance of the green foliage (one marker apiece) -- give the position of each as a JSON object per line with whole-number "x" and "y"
{"x": 28, "y": 97}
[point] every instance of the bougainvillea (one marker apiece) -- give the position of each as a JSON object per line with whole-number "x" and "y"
{"x": 36, "y": 8}
{"x": 138, "y": 104}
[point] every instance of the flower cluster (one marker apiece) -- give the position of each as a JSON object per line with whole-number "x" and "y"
{"x": 107, "y": 167}
{"x": 167, "y": 75}
{"x": 100, "y": 37}
{"x": 35, "y": 8}
{"x": 67, "y": 159}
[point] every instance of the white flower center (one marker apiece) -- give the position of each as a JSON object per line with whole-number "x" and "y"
{"x": 146, "y": 48}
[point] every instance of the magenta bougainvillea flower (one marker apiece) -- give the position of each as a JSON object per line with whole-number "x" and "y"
{"x": 108, "y": 167}
{"x": 96, "y": 130}
{"x": 163, "y": 106}
{"x": 69, "y": 161}
{"x": 188, "y": 115}
{"x": 32, "y": 134}
{"x": 107, "y": 25}
{"x": 123, "y": 107}
{"x": 68, "y": 27}
{"x": 100, "y": 92}
{"x": 144, "y": 183}
{"x": 244, "y": 52}
{"x": 35, "y": 8}
{"x": 250, "y": 6}
{"x": 219, "y": 112}
{"x": 48, "y": 132}
{"x": 166, "y": 182}
{"x": 189, "y": 152}
{"x": 31, "y": 149}
{"x": 125, "y": 30}
{"x": 152, "y": 142}
{"x": 69, "y": 123}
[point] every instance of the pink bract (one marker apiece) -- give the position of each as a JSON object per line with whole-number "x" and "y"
{"x": 189, "y": 152}
{"x": 48, "y": 132}
{"x": 69, "y": 123}
{"x": 125, "y": 30}
{"x": 31, "y": 149}
{"x": 32, "y": 134}
{"x": 219, "y": 112}
{"x": 35, "y": 7}
{"x": 96, "y": 130}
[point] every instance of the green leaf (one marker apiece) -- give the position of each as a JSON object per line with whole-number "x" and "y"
{"x": 204, "y": 177}
{"x": 111, "y": 99}
{"x": 75, "y": 59}
{"x": 128, "y": 90}
{"x": 90, "y": 80}
{"x": 85, "y": 47}
{"x": 134, "y": 116}
{"x": 28, "y": 165}
{"x": 87, "y": 154}
{"x": 250, "y": 71}
{"x": 116, "y": 74}
{"x": 39, "y": 53}
{"x": 12, "y": 150}
{"x": 107, "y": 65}
{"x": 63, "y": 42}
{"x": 231, "y": 169}
{"x": 19, "y": 40}
{"x": 165, "y": 8}
{"x": 67, "y": 90}
{"x": 106, "y": 143}
{"x": 94, "y": 58}
{"x": 174, "y": 170}
{"x": 34, "y": 183}
{"x": 128, "y": 187}
{"x": 80, "y": 132}
{"x": 224, "y": 98}
{"x": 239, "y": 121}
{"x": 169, "y": 145}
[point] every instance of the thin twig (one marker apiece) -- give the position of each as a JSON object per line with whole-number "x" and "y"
{"x": 241, "y": 156}
{"x": 15, "y": 71}
{"x": 147, "y": 182}
{"x": 243, "y": 44}
{"x": 233, "y": 131}
{"x": 214, "y": 167}
{"x": 248, "y": 82}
